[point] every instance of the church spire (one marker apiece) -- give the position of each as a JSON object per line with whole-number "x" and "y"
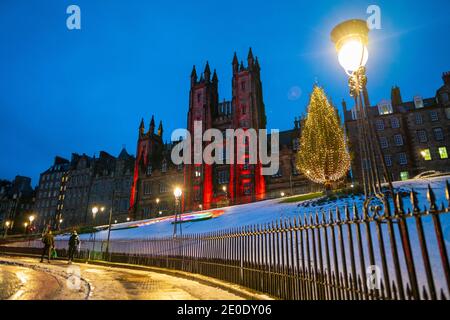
{"x": 215, "y": 79}
{"x": 160, "y": 129}
{"x": 141, "y": 127}
{"x": 207, "y": 72}
{"x": 250, "y": 58}
{"x": 235, "y": 63}
{"x": 193, "y": 75}
{"x": 152, "y": 125}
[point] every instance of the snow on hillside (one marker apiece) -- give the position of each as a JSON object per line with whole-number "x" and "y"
{"x": 263, "y": 212}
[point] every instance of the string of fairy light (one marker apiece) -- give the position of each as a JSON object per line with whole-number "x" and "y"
{"x": 323, "y": 157}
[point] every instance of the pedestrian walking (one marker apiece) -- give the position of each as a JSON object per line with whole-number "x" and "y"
{"x": 49, "y": 245}
{"x": 74, "y": 241}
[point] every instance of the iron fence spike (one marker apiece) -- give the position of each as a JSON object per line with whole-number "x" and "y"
{"x": 330, "y": 216}
{"x": 424, "y": 293}
{"x": 431, "y": 198}
{"x": 399, "y": 201}
{"x": 355, "y": 212}
{"x": 324, "y": 217}
{"x": 347, "y": 213}
{"x": 443, "y": 297}
{"x": 338, "y": 215}
{"x": 394, "y": 290}
{"x": 414, "y": 201}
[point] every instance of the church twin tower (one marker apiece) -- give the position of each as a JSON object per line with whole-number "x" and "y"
{"x": 207, "y": 186}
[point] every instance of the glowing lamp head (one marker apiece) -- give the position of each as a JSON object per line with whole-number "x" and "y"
{"x": 351, "y": 39}
{"x": 177, "y": 192}
{"x": 102, "y": 209}
{"x": 60, "y": 220}
{"x": 95, "y": 210}
{"x": 282, "y": 194}
{"x": 8, "y": 223}
{"x": 128, "y": 219}
{"x": 31, "y": 218}
{"x": 25, "y": 224}
{"x": 157, "y": 200}
{"x": 423, "y": 153}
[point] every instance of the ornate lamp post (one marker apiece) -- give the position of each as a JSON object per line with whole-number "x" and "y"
{"x": 351, "y": 39}
{"x": 95, "y": 210}
{"x": 7, "y": 225}
{"x": 177, "y": 192}
{"x": 31, "y": 219}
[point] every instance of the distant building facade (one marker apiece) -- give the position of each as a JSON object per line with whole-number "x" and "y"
{"x": 17, "y": 199}
{"x": 414, "y": 136}
{"x": 50, "y": 193}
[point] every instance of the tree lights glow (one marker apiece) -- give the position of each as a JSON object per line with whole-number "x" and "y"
{"x": 323, "y": 156}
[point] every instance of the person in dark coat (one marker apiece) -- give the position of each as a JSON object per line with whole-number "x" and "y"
{"x": 74, "y": 241}
{"x": 49, "y": 245}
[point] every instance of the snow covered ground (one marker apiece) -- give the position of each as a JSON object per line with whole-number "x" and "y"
{"x": 263, "y": 212}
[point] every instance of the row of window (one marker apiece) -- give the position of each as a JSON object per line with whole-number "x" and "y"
{"x": 164, "y": 167}
{"x": 379, "y": 124}
{"x": 437, "y": 132}
{"x": 148, "y": 188}
{"x": 398, "y": 141}
{"x": 395, "y": 123}
{"x": 442, "y": 153}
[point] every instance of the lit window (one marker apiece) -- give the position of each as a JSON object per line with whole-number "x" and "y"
{"x": 398, "y": 139}
{"x": 384, "y": 143}
{"x": 395, "y": 124}
{"x": 402, "y": 158}
{"x": 426, "y": 154}
{"x": 385, "y": 107}
{"x": 438, "y": 134}
{"x": 434, "y": 116}
{"x": 418, "y": 102}
{"x": 422, "y": 136}
{"x": 404, "y": 175}
{"x": 443, "y": 153}
{"x": 379, "y": 125}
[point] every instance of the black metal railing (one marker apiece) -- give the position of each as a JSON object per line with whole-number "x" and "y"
{"x": 344, "y": 253}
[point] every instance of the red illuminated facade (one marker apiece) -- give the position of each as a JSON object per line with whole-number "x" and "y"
{"x": 209, "y": 186}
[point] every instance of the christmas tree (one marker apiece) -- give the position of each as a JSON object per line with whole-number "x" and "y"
{"x": 323, "y": 156}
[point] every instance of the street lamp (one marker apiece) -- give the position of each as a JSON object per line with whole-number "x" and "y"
{"x": 282, "y": 194}
{"x": 128, "y": 219}
{"x": 25, "y": 226}
{"x": 157, "y": 204}
{"x": 7, "y": 224}
{"x": 351, "y": 39}
{"x": 177, "y": 192}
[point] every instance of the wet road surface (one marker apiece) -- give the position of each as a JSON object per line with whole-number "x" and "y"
{"x": 27, "y": 279}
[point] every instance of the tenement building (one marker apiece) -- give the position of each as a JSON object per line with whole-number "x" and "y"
{"x": 205, "y": 185}
{"x": 50, "y": 194}
{"x": 68, "y": 190}
{"x": 16, "y": 205}
{"x": 413, "y": 136}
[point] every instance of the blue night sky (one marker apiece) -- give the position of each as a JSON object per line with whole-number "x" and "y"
{"x": 86, "y": 90}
